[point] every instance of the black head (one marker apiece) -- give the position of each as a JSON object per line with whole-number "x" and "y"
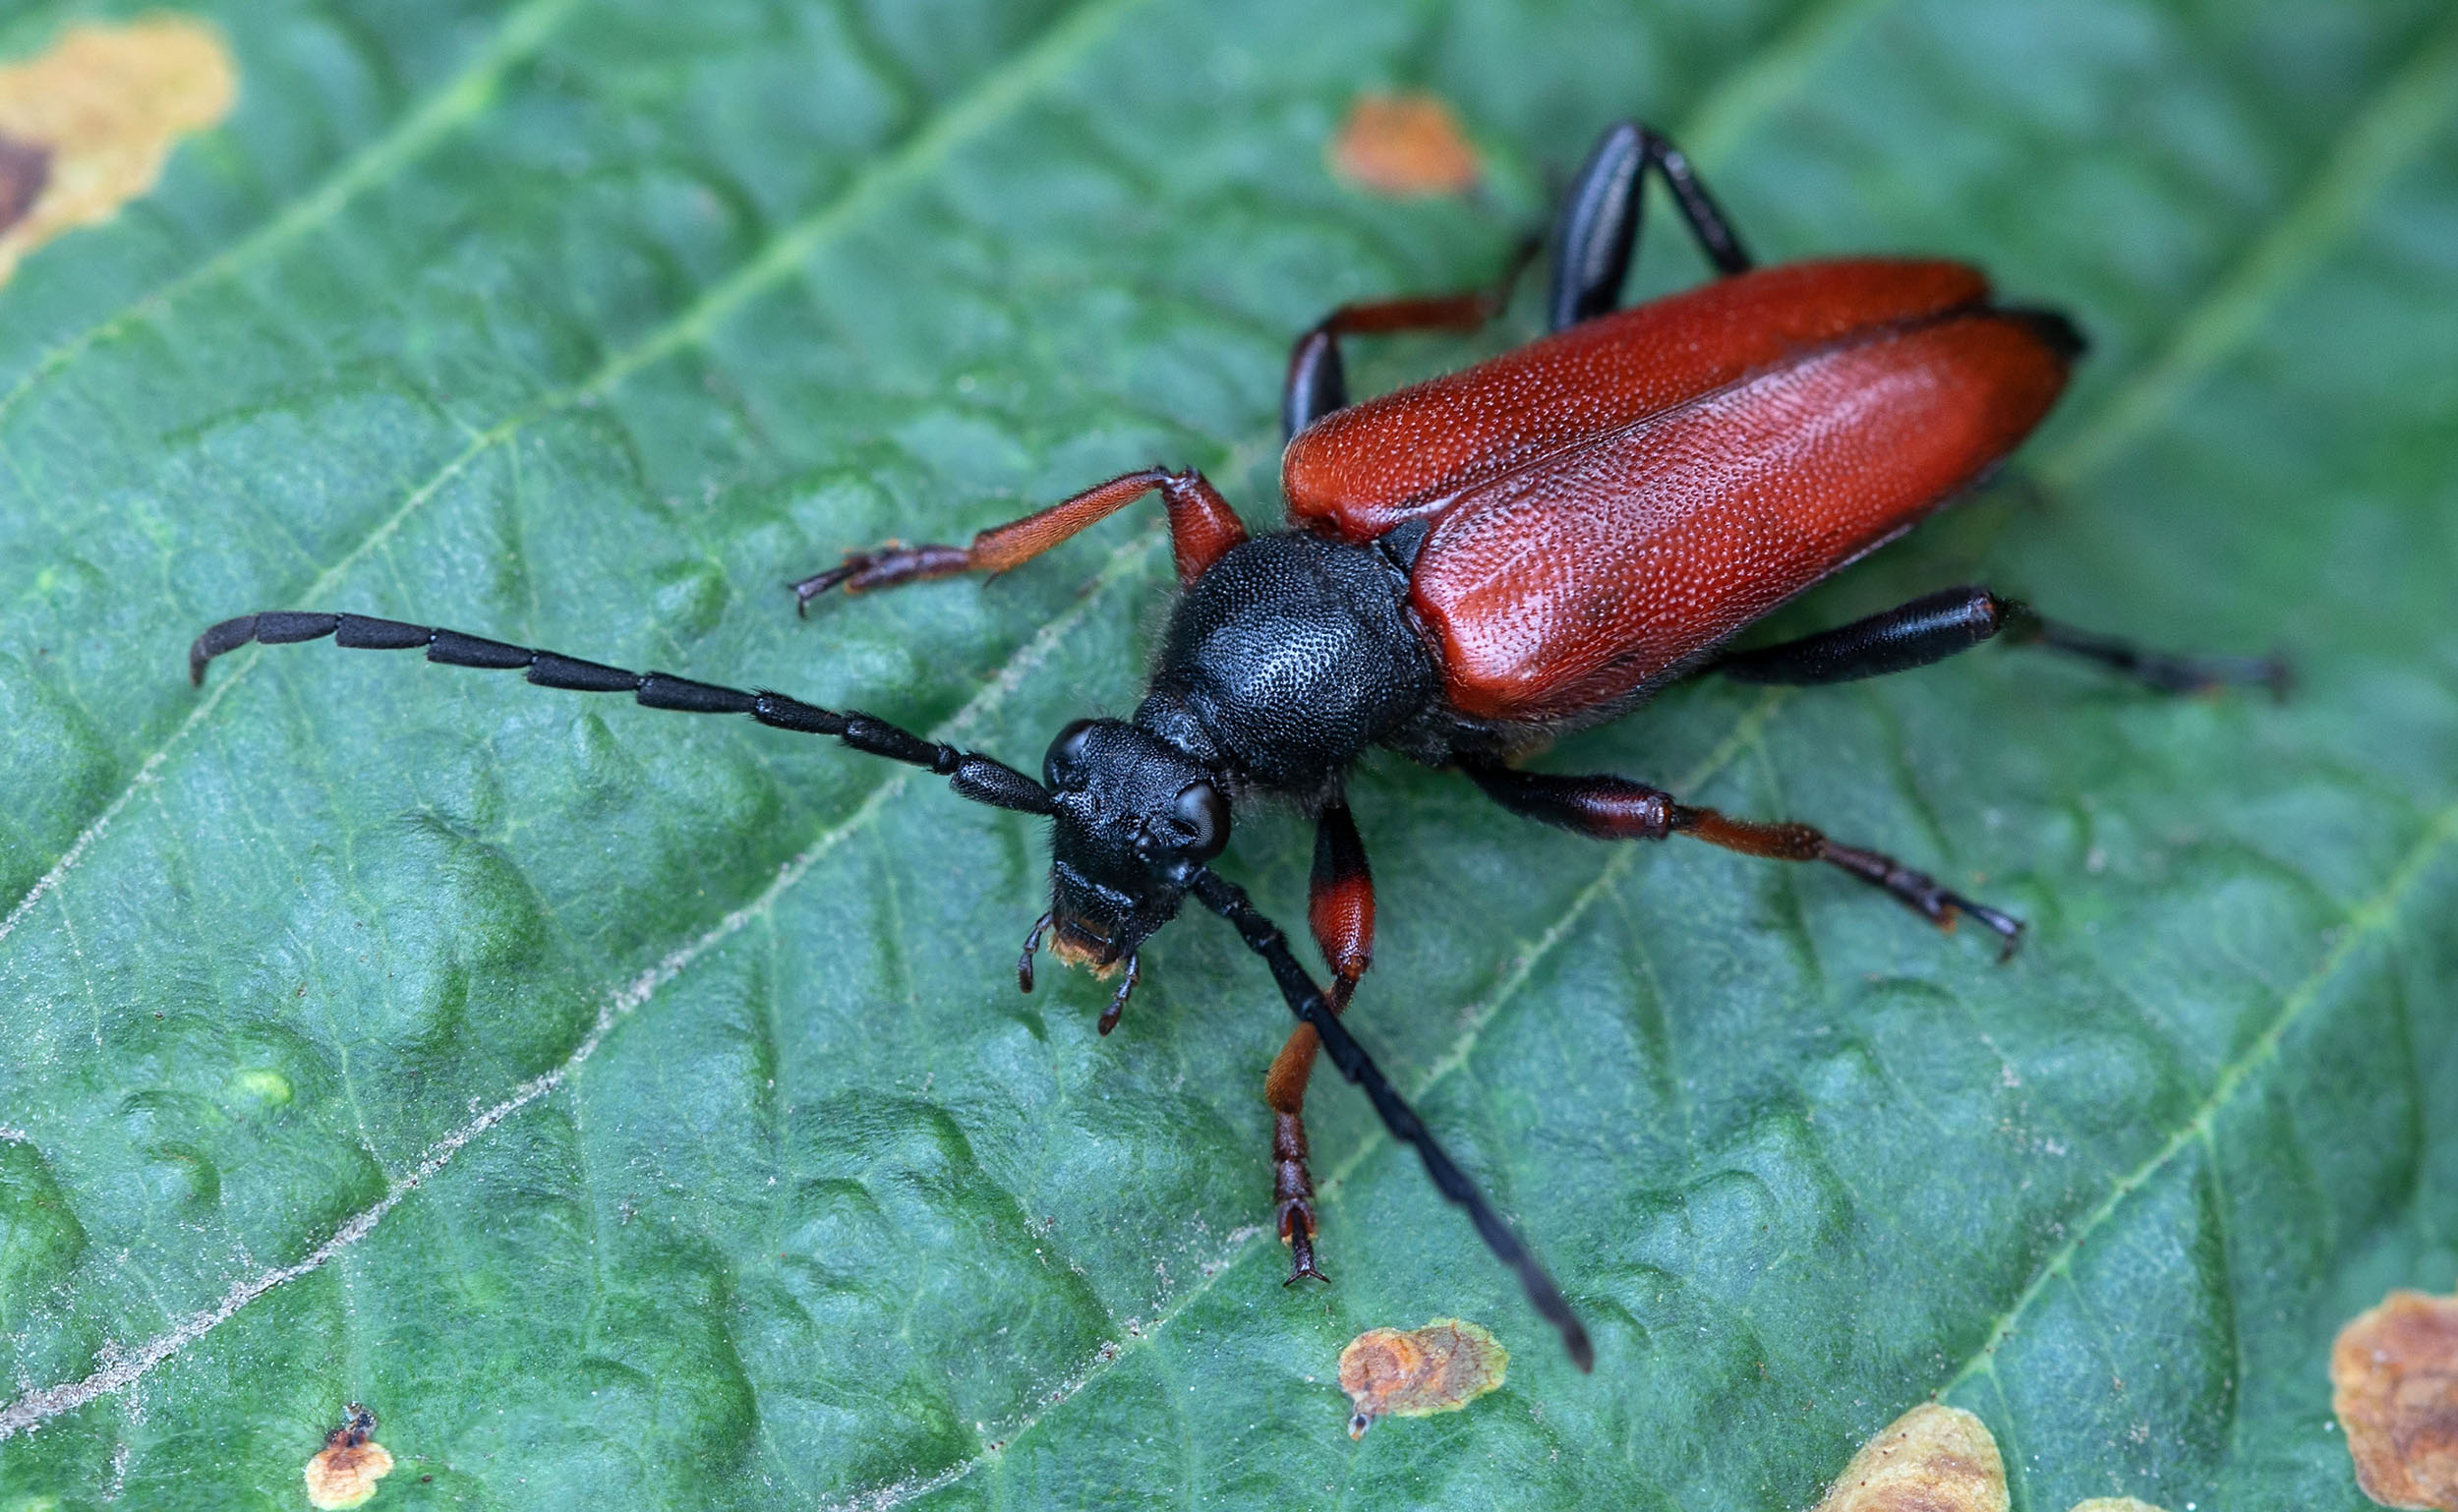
{"x": 1137, "y": 819}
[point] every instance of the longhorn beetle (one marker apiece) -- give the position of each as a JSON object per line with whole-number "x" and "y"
{"x": 1474, "y": 566}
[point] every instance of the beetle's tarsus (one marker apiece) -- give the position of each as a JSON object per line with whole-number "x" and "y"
{"x": 885, "y": 567}
{"x": 1297, "y": 1231}
{"x": 1293, "y": 1194}
{"x": 1117, "y": 999}
{"x": 2162, "y": 672}
{"x": 1032, "y": 944}
{"x": 1920, "y": 893}
{"x": 819, "y": 583}
{"x": 2006, "y": 929}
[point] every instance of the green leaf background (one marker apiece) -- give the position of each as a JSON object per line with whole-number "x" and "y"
{"x": 638, "y": 1110}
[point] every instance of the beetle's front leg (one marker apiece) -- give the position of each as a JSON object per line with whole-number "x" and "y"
{"x": 1617, "y": 808}
{"x": 1201, "y": 526}
{"x": 1340, "y": 910}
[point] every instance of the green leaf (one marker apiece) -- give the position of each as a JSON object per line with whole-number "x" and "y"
{"x": 636, "y": 1110}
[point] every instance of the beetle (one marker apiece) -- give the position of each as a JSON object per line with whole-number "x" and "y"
{"x": 1472, "y": 566}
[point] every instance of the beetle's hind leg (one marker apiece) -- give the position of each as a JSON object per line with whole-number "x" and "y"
{"x": 1595, "y": 233}
{"x": 1608, "y": 807}
{"x": 2166, "y": 671}
{"x": 1340, "y": 909}
{"x": 1937, "y": 626}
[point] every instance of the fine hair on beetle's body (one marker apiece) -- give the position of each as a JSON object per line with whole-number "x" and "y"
{"x": 1474, "y": 566}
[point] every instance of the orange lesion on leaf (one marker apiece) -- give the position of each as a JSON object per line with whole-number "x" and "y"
{"x": 2394, "y": 1385}
{"x": 1937, "y": 1459}
{"x": 1404, "y": 145}
{"x": 1413, "y": 1372}
{"x": 344, "y": 1472}
{"x": 87, "y": 126}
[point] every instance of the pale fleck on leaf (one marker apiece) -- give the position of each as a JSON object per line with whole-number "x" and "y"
{"x": 1931, "y": 1459}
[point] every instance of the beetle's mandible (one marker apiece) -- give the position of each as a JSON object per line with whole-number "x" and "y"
{"x": 1473, "y": 566}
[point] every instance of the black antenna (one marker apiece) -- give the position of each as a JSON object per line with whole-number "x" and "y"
{"x": 974, "y": 777}
{"x": 1305, "y": 1001}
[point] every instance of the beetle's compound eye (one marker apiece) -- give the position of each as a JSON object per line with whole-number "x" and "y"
{"x": 1063, "y": 768}
{"x": 1202, "y": 815}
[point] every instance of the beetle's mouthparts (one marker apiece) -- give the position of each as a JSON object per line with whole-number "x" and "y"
{"x": 1074, "y": 944}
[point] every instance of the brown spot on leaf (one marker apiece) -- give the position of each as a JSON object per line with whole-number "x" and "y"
{"x": 1404, "y": 145}
{"x": 88, "y": 124}
{"x": 2394, "y": 1385}
{"x": 344, "y": 1472}
{"x": 1413, "y": 1373}
{"x": 1931, "y": 1459}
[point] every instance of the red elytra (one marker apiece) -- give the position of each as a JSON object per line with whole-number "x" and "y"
{"x": 1609, "y": 501}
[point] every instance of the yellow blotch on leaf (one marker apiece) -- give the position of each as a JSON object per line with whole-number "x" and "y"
{"x": 87, "y": 126}
{"x": 1404, "y": 145}
{"x": 1415, "y": 1373}
{"x": 1931, "y": 1459}
{"x": 2394, "y": 1385}
{"x": 257, "y": 1084}
{"x": 344, "y": 1472}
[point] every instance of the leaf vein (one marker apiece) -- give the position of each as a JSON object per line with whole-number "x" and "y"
{"x": 2377, "y": 140}
{"x": 2367, "y": 920}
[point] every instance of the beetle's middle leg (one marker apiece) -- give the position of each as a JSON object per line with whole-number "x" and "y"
{"x": 1617, "y": 808}
{"x": 1595, "y": 233}
{"x": 1201, "y": 526}
{"x": 1937, "y": 625}
{"x": 1318, "y": 383}
{"x": 1340, "y": 909}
